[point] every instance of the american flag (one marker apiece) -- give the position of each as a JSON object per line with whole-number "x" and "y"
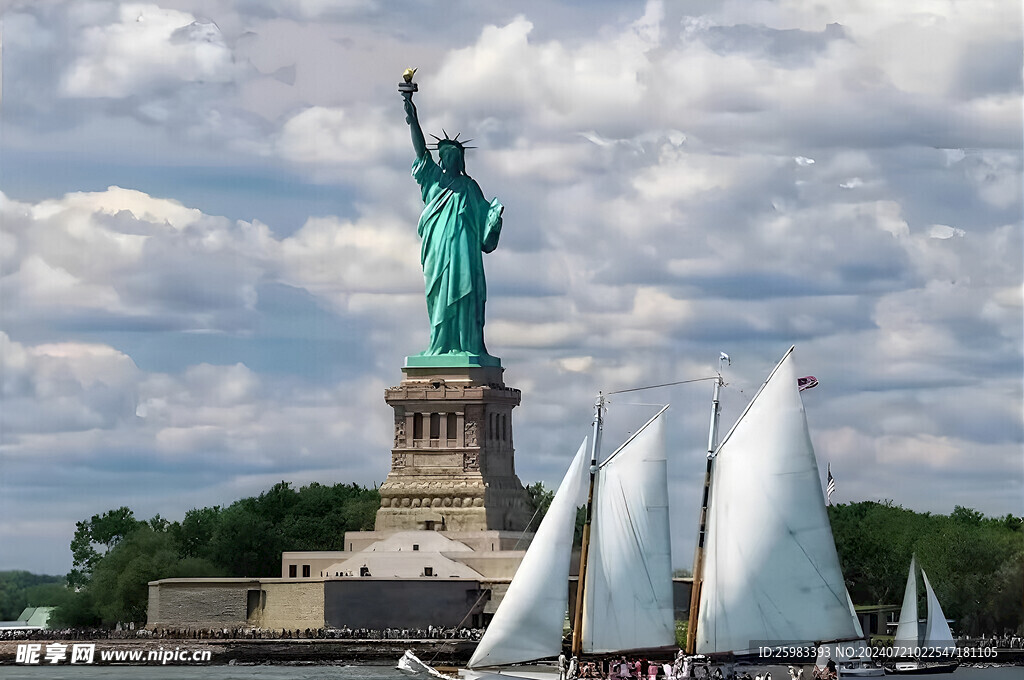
{"x": 831, "y": 484}
{"x": 806, "y": 383}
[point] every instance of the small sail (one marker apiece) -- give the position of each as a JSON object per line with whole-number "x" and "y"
{"x": 528, "y": 623}
{"x": 937, "y": 634}
{"x": 856, "y": 619}
{"x": 906, "y": 637}
{"x": 628, "y": 593}
{"x": 772, "y": 572}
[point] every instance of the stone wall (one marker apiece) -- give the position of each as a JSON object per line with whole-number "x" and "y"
{"x": 293, "y": 606}
{"x": 199, "y": 603}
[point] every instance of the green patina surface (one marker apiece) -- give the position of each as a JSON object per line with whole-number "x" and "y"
{"x": 452, "y": 361}
{"x": 456, "y": 227}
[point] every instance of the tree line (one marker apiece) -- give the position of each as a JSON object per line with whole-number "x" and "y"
{"x": 975, "y": 563}
{"x": 20, "y": 589}
{"x": 115, "y": 555}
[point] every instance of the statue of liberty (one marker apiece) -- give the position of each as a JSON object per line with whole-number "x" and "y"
{"x": 457, "y": 226}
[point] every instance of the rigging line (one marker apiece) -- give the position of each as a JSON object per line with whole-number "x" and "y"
{"x": 651, "y": 387}
{"x": 483, "y": 593}
{"x": 528, "y": 524}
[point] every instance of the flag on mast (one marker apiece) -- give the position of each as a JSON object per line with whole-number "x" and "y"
{"x": 806, "y": 383}
{"x": 831, "y": 484}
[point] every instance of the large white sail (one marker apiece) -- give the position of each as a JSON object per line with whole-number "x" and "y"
{"x": 937, "y": 634}
{"x": 528, "y": 623}
{"x": 907, "y": 637}
{"x": 772, "y": 572}
{"x": 628, "y": 590}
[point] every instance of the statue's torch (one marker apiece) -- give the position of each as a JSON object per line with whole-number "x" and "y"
{"x": 407, "y": 87}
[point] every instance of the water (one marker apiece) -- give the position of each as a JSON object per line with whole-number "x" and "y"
{"x": 353, "y": 672}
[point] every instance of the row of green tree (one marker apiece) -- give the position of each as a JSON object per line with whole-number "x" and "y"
{"x": 20, "y": 589}
{"x": 975, "y": 563}
{"x": 116, "y": 555}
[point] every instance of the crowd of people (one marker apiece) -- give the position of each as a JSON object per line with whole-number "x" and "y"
{"x": 1007, "y": 641}
{"x": 682, "y": 667}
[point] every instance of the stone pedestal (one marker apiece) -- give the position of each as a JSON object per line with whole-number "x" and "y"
{"x": 453, "y": 461}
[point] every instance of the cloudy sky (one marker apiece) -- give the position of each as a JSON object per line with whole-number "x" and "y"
{"x": 210, "y": 267}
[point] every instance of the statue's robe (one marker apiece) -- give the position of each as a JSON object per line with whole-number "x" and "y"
{"x": 457, "y": 226}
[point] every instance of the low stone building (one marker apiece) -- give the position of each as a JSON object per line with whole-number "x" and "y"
{"x": 403, "y": 579}
{"x": 282, "y": 604}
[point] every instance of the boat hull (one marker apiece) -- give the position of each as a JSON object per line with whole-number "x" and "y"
{"x": 862, "y": 672}
{"x": 921, "y": 668}
{"x": 511, "y": 673}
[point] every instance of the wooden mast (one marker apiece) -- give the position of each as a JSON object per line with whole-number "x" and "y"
{"x": 577, "y": 625}
{"x": 698, "y": 558}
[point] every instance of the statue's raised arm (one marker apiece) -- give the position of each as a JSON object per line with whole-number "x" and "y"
{"x": 457, "y": 226}
{"x": 418, "y": 142}
{"x": 407, "y": 88}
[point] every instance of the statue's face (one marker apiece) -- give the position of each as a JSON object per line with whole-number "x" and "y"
{"x": 451, "y": 158}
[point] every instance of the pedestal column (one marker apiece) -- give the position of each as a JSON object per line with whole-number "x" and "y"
{"x": 453, "y": 459}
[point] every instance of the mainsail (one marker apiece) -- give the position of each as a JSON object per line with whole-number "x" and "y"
{"x": 772, "y": 572}
{"x": 528, "y": 624}
{"x": 628, "y": 589}
{"x": 907, "y": 636}
{"x": 627, "y": 601}
{"x": 937, "y": 634}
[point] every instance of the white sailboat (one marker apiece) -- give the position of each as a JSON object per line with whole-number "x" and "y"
{"x": 772, "y": 572}
{"x": 922, "y": 652}
{"x": 626, "y": 572}
{"x": 767, "y": 573}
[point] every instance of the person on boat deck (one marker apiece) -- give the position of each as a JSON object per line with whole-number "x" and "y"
{"x": 624, "y": 668}
{"x": 562, "y": 667}
{"x": 652, "y": 670}
{"x": 685, "y": 671}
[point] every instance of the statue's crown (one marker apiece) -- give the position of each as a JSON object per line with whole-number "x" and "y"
{"x": 452, "y": 141}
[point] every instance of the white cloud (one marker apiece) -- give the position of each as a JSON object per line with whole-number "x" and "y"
{"x": 65, "y": 387}
{"x": 944, "y": 231}
{"x": 757, "y": 175}
{"x": 124, "y": 253}
{"x": 335, "y": 258}
{"x": 333, "y": 135}
{"x": 566, "y": 85}
{"x": 144, "y": 46}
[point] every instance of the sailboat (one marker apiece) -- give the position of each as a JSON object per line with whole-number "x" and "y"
{"x": 767, "y": 575}
{"x": 923, "y": 652}
{"x": 625, "y": 569}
